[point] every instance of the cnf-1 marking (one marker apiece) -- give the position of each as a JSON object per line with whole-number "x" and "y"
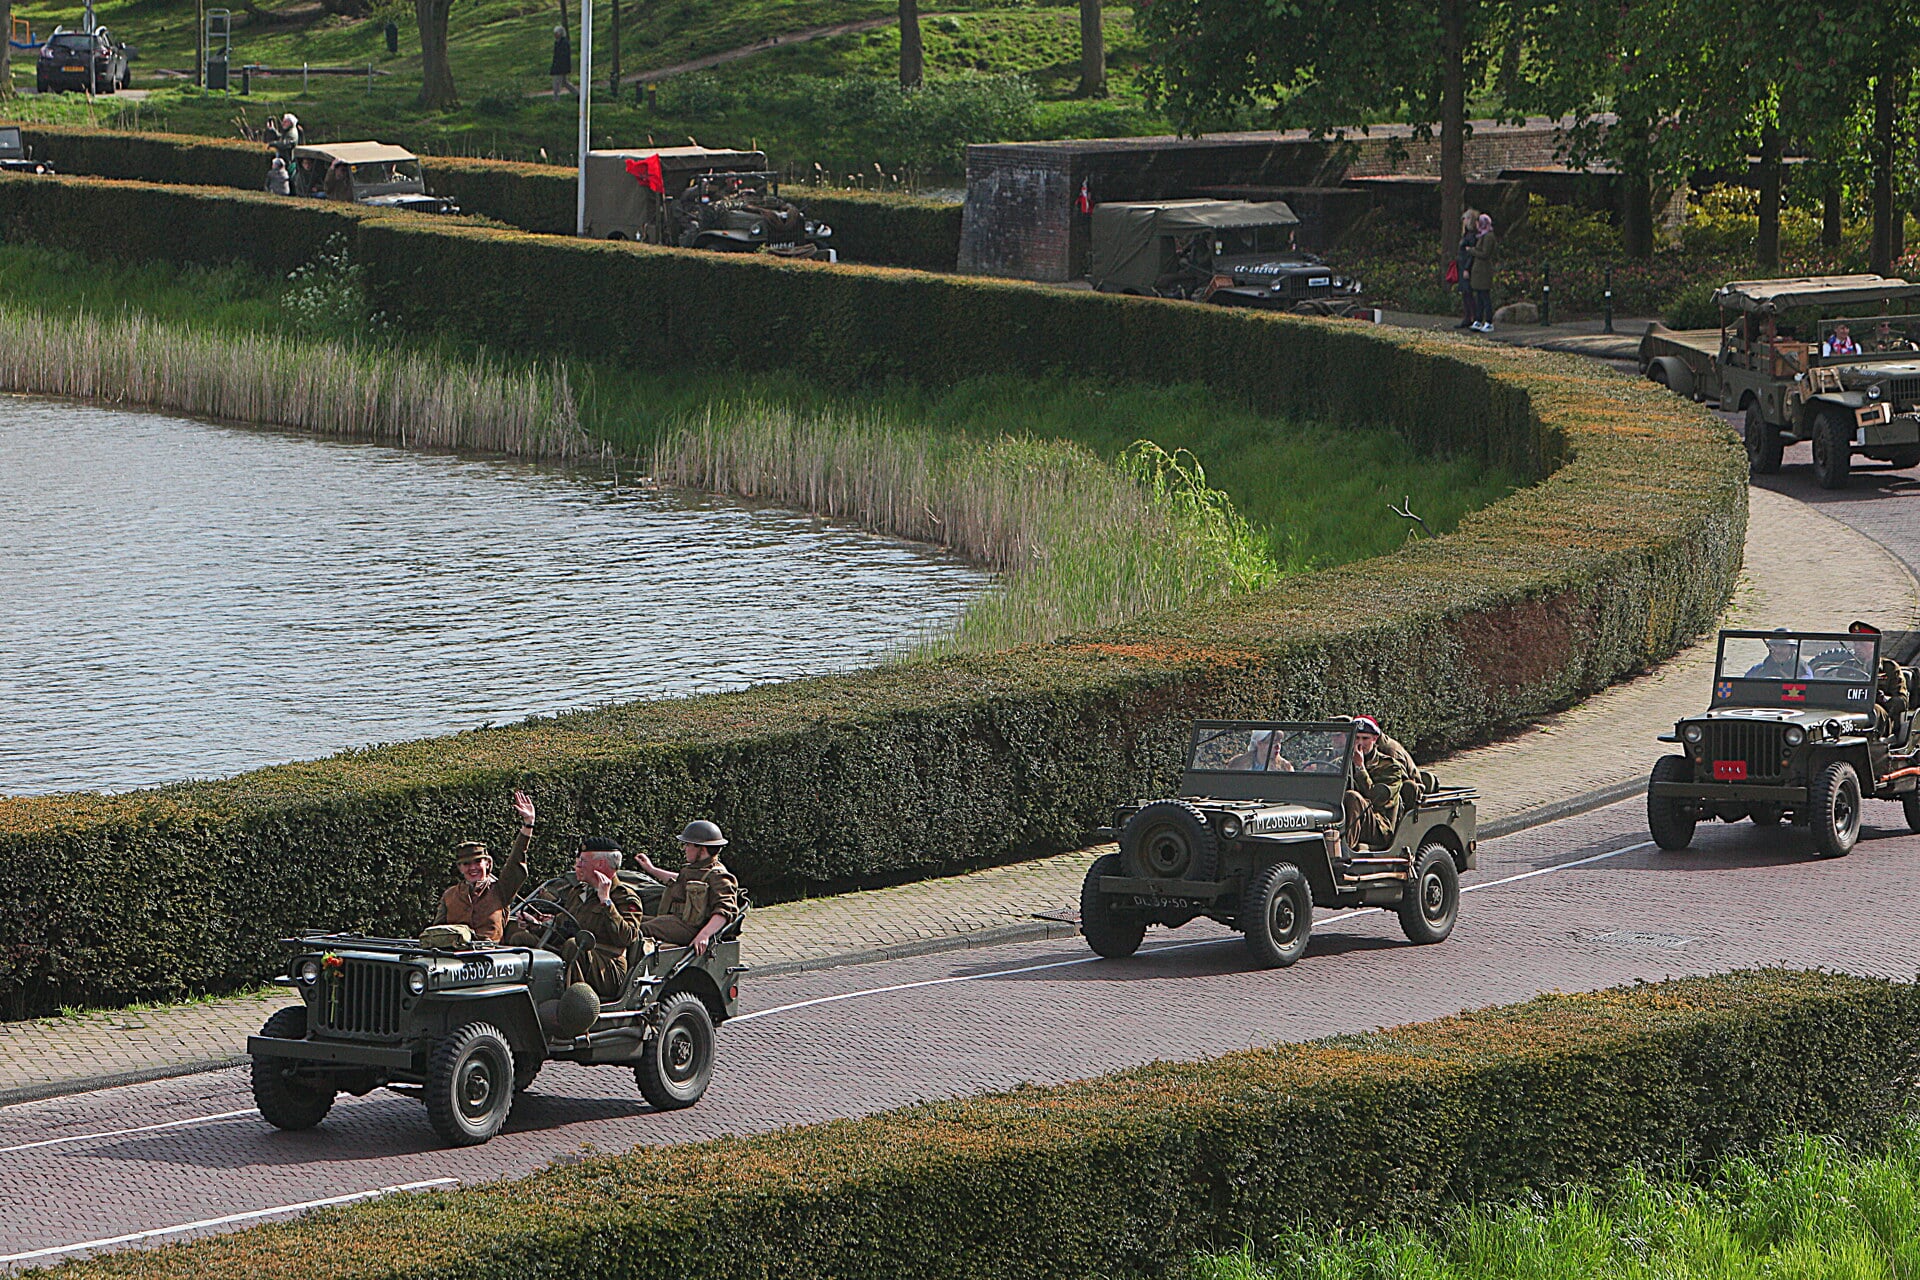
{"x": 482, "y": 969}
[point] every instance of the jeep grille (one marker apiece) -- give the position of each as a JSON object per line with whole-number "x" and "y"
{"x": 1902, "y": 391}
{"x": 363, "y": 1001}
{"x": 1760, "y": 745}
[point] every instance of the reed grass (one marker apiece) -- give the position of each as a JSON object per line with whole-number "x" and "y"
{"x": 1079, "y": 543}
{"x": 1807, "y": 1210}
{"x": 394, "y": 395}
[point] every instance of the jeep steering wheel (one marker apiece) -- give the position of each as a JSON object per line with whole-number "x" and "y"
{"x": 561, "y": 920}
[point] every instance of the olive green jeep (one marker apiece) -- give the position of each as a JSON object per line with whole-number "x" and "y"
{"x": 1254, "y": 841}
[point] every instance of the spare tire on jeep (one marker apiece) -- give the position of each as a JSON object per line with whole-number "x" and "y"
{"x": 1170, "y": 840}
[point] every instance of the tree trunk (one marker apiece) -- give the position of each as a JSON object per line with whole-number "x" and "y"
{"x": 1093, "y": 51}
{"x": 613, "y": 77}
{"x": 6, "y": 49}
{"x": 1767, "y": 250}
{"x": 565, "y": 26}
{"x": 912, "y": 61}
{"x": 436, "y": 76}
{"x": 1830, "y": 214}
{"x": 1880, "y": 252}
{"x": 1453, "y": 121}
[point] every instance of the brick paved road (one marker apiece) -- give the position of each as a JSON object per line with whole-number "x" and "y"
{"x": 1039, "y": 1011}
{"x": 1883, "y": 504}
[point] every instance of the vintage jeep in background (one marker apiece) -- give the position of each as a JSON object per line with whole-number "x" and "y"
{"x": 1791, "y": 734}
{"x": 707, "y": 199}
{"x": 467, "y": 1028}
{"x": 1765, "y": 361}
{"x": 1236, "y": 253}
{"x": 385, "y": 177}
{"x": 1254, "y": 842}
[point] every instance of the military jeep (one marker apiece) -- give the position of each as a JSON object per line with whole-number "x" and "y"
{"x": 466, "y": 1029}
{"x": 1253, "y": 841}
{"x": 1234, "y": 253}
{"x": 726, "y": 201}
{"x": 379, "y": 175}
{"x": 1792, "y": 734}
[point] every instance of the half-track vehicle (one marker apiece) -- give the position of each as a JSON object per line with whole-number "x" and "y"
{"x": 383, "y": 176}
{"x": 467, "y": 1028}
{"x": 1800, "y": 730}
{"x": 1772, "y": 359}
{"x": 728, "y": 201}
{"x": 1253, "y": 840}
{"x": 1236, "y": 253}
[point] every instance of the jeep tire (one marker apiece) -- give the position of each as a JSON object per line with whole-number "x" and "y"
{"x": 1832, "y": 449}
{"x": 1904, "y": 459}
{"x": 676, "y": 1063}
{"x": 1432, "y": 902}
{"x": 1910, "y": 802}
{"x": 469, "y": 1089}
{"x": 1764, "y": 445}
{"x": 1169, "y": 840}
{"x": 1111, "y": 932}
{"x": 286, "y": 1102}
{"x": 526, "y": 1066}
{"x": 1670, "y": 819}
{"x": 1276, "y": 914}
{"x": 1833, "y": 810}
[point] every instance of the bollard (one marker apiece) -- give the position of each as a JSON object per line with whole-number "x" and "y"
{"x": 1546, "y": 293}
{"x": 1606, "y": 300}
{"x": 303, "y": 79}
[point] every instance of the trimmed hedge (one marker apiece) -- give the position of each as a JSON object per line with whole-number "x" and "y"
{"x": 1627, "y": 547}
{"x": 1126, "y": 1175}
{"x": 878, "y": 229}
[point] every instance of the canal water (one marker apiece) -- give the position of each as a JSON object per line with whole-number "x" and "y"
{"x": 184, "y": 600}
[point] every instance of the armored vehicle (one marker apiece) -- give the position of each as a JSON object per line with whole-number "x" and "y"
{"x": 377, "y": 174}
{"x": 1232, "y": 252}
{"x": 1801, "y": 727}
{"x": 16, "y": 156}
{"x": 698, "y": 198}
{"x": 1253, "y": 841}
{"x": 466, "y": 1028}
{"x": 1775, "y": 359}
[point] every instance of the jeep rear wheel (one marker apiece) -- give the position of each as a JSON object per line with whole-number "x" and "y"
{"x": 1834, "y": 810}
{"x": 1112, "y": 933}
{"x": 677, "y": 1061}
{"x": 286, "y": 1100}
{"x": 1832, "y": 449}
{"x": 1910, "y": 802}
{"x": 1432, "y": 903}
{"x": 1277, "y": 915}
{"x": 469, "y": 1088}
{"x": 1671, "y": 819}
{"x": 1169, "y": 840}
{"x": 1904, "y": 459}
{"x": 1764, "y": 445}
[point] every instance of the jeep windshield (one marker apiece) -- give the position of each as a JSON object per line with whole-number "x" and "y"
{"x": 1796, "y": 669}
{"x": 386, "y": 177}
{"x": 1269, "y": 749}
{"x": 1254, "y": 242}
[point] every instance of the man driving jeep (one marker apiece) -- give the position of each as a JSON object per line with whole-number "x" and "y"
{"x": 702, "y": 898}
{"x": 1781, "y": 662}
{"x": 606, "y": 915}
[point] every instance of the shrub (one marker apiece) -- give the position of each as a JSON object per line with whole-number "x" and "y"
{"x": 1122, "y": 1175}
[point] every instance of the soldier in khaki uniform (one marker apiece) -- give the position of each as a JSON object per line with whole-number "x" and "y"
{"x": 480, "y": 900}
{"x": 1374, "y": 802}
{"x": 701, "y": 898}
{"x": 608, "y": 914}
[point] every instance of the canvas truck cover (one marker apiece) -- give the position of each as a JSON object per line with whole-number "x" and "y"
{"x": 1770, "y": 297}
{"x": 616, "y": 202}
{"x": 1126, "y": 236}
{"x": 354, "y": 153}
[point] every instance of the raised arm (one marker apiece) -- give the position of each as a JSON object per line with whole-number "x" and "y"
{"x": 514, "y": 874}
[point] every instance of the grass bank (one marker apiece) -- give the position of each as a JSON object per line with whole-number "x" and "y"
{"x": 1808, "y": 1208}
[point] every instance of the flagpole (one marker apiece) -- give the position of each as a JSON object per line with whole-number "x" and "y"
{"x": 586, "y": 113}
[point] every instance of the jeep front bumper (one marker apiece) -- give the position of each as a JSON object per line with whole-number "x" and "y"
{"x": 1171, "y": 892}
{"x": 342, "y": 1052}
{"x": 1711, "y": 791}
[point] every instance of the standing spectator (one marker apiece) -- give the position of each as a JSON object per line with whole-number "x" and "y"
{"x": 1485, "y": 253}
{"x": 278, "y": 183}
{"x": 393, "y": 36}
{"x": 285, "y": 137}
{"x": 1463, "y": 265}
{"x": 562, "y": 63}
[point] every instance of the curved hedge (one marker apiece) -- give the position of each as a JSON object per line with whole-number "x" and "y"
{"x": 1126, "y": 1175}
{"x": 1626, "y": 548}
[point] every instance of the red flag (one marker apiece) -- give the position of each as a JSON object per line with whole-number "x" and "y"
{"x": 1086, "y": 197}
{"x": 647, "y": 170}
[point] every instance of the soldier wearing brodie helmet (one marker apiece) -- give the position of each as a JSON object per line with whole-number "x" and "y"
{"x": 701, "y": 899}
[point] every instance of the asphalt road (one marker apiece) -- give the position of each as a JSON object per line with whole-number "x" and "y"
{"x": 1578, "y": 904}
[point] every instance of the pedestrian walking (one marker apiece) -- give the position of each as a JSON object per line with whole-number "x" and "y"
{"x": 278, "y": 181}
{"x": 1462, "y": 270}
{"x": 562, "y": 64}
{"x": 1485, "y": 254}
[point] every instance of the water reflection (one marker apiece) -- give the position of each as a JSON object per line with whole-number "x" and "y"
{"x": 185, "y": 600}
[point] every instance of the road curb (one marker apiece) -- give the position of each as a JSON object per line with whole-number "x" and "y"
{"x": 94, "y": 1084}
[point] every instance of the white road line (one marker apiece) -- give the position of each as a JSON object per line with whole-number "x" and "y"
{"x": 226, "y": 1221}
{"x": 117, "y": 1133}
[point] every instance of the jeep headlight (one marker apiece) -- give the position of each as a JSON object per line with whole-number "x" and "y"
{"x": 307, "y": 971}
{"x": 417, "y": 981}
{"x": 758, "y": 229}
{"x": 1795, "y": 735}
{"x": 1873, "y": 391}
{"x": 1230, "y": 826}
{"x": 1693, "y": 733}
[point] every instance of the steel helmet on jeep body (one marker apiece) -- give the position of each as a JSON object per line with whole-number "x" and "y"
{"x": 700, "y": 831}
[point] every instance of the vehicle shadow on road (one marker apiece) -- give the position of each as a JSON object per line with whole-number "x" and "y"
{"x": 1869, "y": 482}
{"x": 1738, "y": 845}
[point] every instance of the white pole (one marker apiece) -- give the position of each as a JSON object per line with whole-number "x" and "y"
{"x": 586, "y": 113}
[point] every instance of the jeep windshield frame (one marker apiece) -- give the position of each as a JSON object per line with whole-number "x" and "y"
{"x": 1796, "y": 670}
{"x": 1270, "y": 761}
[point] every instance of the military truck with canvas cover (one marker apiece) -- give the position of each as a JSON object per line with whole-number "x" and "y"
{"x": 1770, "y": 359}
{"x": 698, "y": 198}
{"x": 1791, "y": 734}
{"x": 1235, "y": 253}
{"x": 1254, "y": 841}
{"x": 386, "y": 177}
{"x": 465, "y": 1028}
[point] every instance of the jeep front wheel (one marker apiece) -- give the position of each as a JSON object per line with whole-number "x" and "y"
{"x": 1764, "y": 445}
{"x": 469, "y": 1087}
{"x": 677, "y": 1061}
{"x": 1832, "y": 449}
{"x": 286, "y": 1100}
{"x": 1277, "y": 915}
{"x": 1112, "y": 933}
{"x": 1834, "y": 805}
{"x": 1671, "y": 819}
{"x": 1432, "y": 903}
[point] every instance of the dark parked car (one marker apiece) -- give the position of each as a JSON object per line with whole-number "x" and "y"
{"x": 82, "y": 62}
